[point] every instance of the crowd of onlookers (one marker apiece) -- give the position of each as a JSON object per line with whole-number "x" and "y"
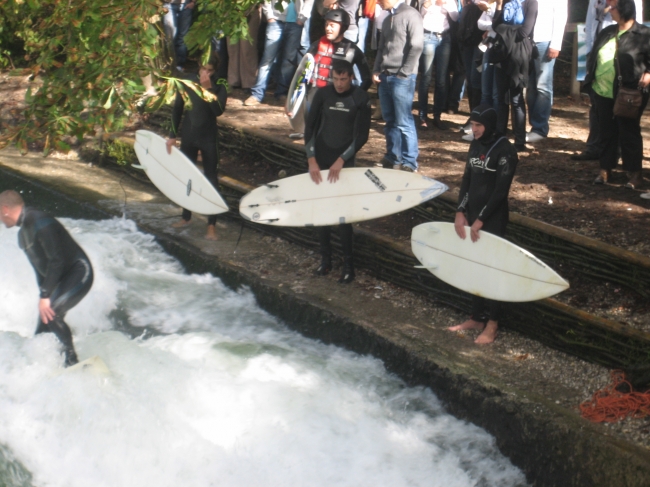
{"x": 496, "y": 52}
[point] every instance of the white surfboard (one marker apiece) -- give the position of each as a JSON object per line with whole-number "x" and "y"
{"x": 361, "y": 193}
{"x": 492, "y": 267}
{"x": 176, "y": 176}
{"x": 297, "y": 96}
{"x": 94, "y": 365}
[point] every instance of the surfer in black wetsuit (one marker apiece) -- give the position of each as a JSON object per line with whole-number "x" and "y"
{"x": 483, "y": 204}
{"x": 337, "y": 126}
{"x": 63, "y": 271}
{"x": 199, "y": 131}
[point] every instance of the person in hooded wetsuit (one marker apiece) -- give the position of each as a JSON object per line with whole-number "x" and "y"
{"x": 63, "y": 271}
{"x": 199, "y": 132}
{"x": 337, "y": 126}
{"x": 483, "y": 204}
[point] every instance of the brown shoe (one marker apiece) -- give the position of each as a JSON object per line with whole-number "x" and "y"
{"x": 603, "y": 176}
{"x": 251, "y": 101}
{"x": 636, "y": 180}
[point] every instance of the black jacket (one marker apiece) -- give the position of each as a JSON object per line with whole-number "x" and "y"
{"x": 633, "y": 54}
{"x": 49, "y": 247}
{"x": 486, "y": 182}
{"x": 201, "y": 119}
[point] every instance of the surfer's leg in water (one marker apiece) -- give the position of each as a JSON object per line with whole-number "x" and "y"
{"x": 325, "y": 266}
{"x": 69, "y": 292}
{"x": 347, "y": 236}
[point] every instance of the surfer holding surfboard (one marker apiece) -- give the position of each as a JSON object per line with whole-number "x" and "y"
{"x": 483, "y": 204}
{"x": 199, "y": 131}
{"x": 337, "y": 126}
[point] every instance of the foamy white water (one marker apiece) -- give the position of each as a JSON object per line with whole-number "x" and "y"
{"x": 211, "y": 392}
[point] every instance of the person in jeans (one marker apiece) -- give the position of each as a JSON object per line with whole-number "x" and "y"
{"x": 395, "y": 70}
{"x": 549, "y": 31}
{"x": 435, "y": 54}
{"x": 283, "y": 42}
{"x": 177, "y": 22}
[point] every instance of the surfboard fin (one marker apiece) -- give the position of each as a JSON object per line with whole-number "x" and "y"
{"x": 138, "y": 166}
{"x": 425, "y": 266}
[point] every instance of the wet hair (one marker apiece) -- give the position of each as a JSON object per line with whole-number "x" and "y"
{"x": 213, "y": 62}
{"x": 341, "y": 66}
{"x": 11, "y": 199}
{"x": 626, "y": 9}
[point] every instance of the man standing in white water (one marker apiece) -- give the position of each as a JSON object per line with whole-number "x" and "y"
{"x": 63, "y": 271}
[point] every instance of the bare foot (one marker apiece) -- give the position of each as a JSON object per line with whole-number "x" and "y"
{"x": 180, "y": 224}
{"x": 467, "y": 325}
{"x": 211, "y": 233}
{"x": 489, "y": 333}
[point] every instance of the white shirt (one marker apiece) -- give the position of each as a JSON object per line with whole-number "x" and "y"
{"x": 434, "y": 18}
{"x": 551, "y": 22}
{"x": 485, "y": 20}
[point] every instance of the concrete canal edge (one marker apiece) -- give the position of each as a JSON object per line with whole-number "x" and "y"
{"x": 552, "y": 445}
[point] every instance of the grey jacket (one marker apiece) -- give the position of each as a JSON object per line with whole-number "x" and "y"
{"x": 303, "y": 9}
{"x": 402, "y": 38}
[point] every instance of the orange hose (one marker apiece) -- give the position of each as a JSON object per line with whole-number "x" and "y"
{"x": 610, "y": 405}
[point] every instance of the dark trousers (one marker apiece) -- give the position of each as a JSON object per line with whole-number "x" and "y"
{"x": 472, "y": 57}
{"x": 594, "y": 144}
{"x": 619, "y": 133}
{"x": 514, "y": 98}
{"x": 346, "y": 235}
{"x": 210, "y": 157}
{"x": 74, "y": 285}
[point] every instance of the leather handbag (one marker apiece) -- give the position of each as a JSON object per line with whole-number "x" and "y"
{"x": 628, "y": 100}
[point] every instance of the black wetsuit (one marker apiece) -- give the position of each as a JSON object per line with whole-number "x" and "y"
{"x": 338, "y": 125}
{"x": 63, "y": 271}
{"x": 199, "y": 131}
{"x": 483, "y": 195}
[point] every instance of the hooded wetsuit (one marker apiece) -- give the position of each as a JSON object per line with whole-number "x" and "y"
{"x": 199, "y": 131}
{"x": 63, "y": 271}
{"x": 490, "y": 168}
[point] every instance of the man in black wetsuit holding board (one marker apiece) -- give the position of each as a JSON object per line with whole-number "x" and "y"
{"x": 483, "y": 204}
{"x": 63, "y": 271}
{"x": 337, "y": 126}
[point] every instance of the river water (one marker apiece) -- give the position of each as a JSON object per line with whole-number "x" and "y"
{"x": 206, "y": 389}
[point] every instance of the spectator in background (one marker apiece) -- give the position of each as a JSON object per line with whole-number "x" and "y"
{"x": 352, "y": 8}
{"x": 435, "y": 52}
{"x": 242, "y": 55}
{"x": 332, "y": 46}
{"x": 620, "y": 50}
{"x": 514, "y": 22}
{"x": 549, "y": 32}
{"x": 469, "y": 38}
{"x": 177, "y": 22}
{"x": 283, "y": 37}
{"x": 598, "y": 17}
{"x": 489, "y": 94}
{"x": 395, "y": 71}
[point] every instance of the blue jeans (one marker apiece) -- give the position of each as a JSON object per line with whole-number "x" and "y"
{"x": 434, "y": 55}
{"x": 489, "y": 92}
{"x": 540, "y": 90}
{"x": 362, "y": 24}
{"x": 396, "y": 97}
{"x": 282, "y": 42}
{"x": 305, "y": 41}
{"x": 177, "y": 23}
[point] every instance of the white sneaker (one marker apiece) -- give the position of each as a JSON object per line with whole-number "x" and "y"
{"x": 533, "y": 137}
{"x": 645, "y": 196}
{"x": 467, "y": 128}
{"x": 469, "y": 137}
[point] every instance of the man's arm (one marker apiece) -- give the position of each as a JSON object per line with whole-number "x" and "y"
{"x": 49, "y": 238}
{"x": 415, "y": 35}
{"x": 311, "y": 130}
{"x": 560, "y": 14}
